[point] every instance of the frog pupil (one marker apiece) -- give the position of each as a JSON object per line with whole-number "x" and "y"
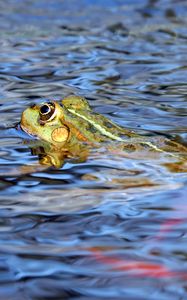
{"x": 44, "y": 109}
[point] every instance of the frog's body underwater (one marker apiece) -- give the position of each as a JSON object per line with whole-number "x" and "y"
{"x": 72, "y": 124}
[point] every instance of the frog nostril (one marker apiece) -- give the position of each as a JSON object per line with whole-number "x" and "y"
{"x": 33, "y": 105}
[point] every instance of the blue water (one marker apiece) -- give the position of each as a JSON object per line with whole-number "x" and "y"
{"x": 96, "y": 229}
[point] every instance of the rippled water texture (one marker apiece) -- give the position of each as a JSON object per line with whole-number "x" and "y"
{"x": 112, "y": 227}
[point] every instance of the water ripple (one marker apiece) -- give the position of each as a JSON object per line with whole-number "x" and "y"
{"x": 113, "y": 226}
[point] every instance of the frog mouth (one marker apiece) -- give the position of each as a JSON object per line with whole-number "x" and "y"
{"x": 26, "y": 130}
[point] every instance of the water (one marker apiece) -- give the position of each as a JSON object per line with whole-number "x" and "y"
{"x": 111, "y": 227}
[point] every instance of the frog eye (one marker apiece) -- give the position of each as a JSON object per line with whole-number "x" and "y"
{"x": 47, "y": 111}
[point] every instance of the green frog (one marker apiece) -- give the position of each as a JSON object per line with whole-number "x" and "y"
{"x": 71, "y": 128}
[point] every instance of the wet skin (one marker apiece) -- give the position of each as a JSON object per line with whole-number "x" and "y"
{"x": 71, "y": 128}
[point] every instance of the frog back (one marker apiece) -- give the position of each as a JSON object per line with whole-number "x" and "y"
{"x": 93, "y": 126}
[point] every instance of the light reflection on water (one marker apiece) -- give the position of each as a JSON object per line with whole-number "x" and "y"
{"x": 70, "y": 232}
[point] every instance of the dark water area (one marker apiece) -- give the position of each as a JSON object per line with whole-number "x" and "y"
{"x": 111, "y": 227}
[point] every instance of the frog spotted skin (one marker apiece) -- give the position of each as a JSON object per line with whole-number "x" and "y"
{"x": 70, "y": 124}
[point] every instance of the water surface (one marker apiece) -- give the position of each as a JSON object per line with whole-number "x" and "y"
{"x": 111, "y": 227}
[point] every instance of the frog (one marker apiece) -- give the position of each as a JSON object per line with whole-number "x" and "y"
{"x": 72, "y": 119}
{"x": 71, "y": 127}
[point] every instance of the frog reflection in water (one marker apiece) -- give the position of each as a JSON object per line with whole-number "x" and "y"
{"x": 70, "y": 129}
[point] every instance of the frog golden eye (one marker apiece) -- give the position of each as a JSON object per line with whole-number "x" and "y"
{"x": 47, "y": 111}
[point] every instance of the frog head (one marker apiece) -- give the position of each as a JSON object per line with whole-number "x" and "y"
{"x": 45, "y": 122}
